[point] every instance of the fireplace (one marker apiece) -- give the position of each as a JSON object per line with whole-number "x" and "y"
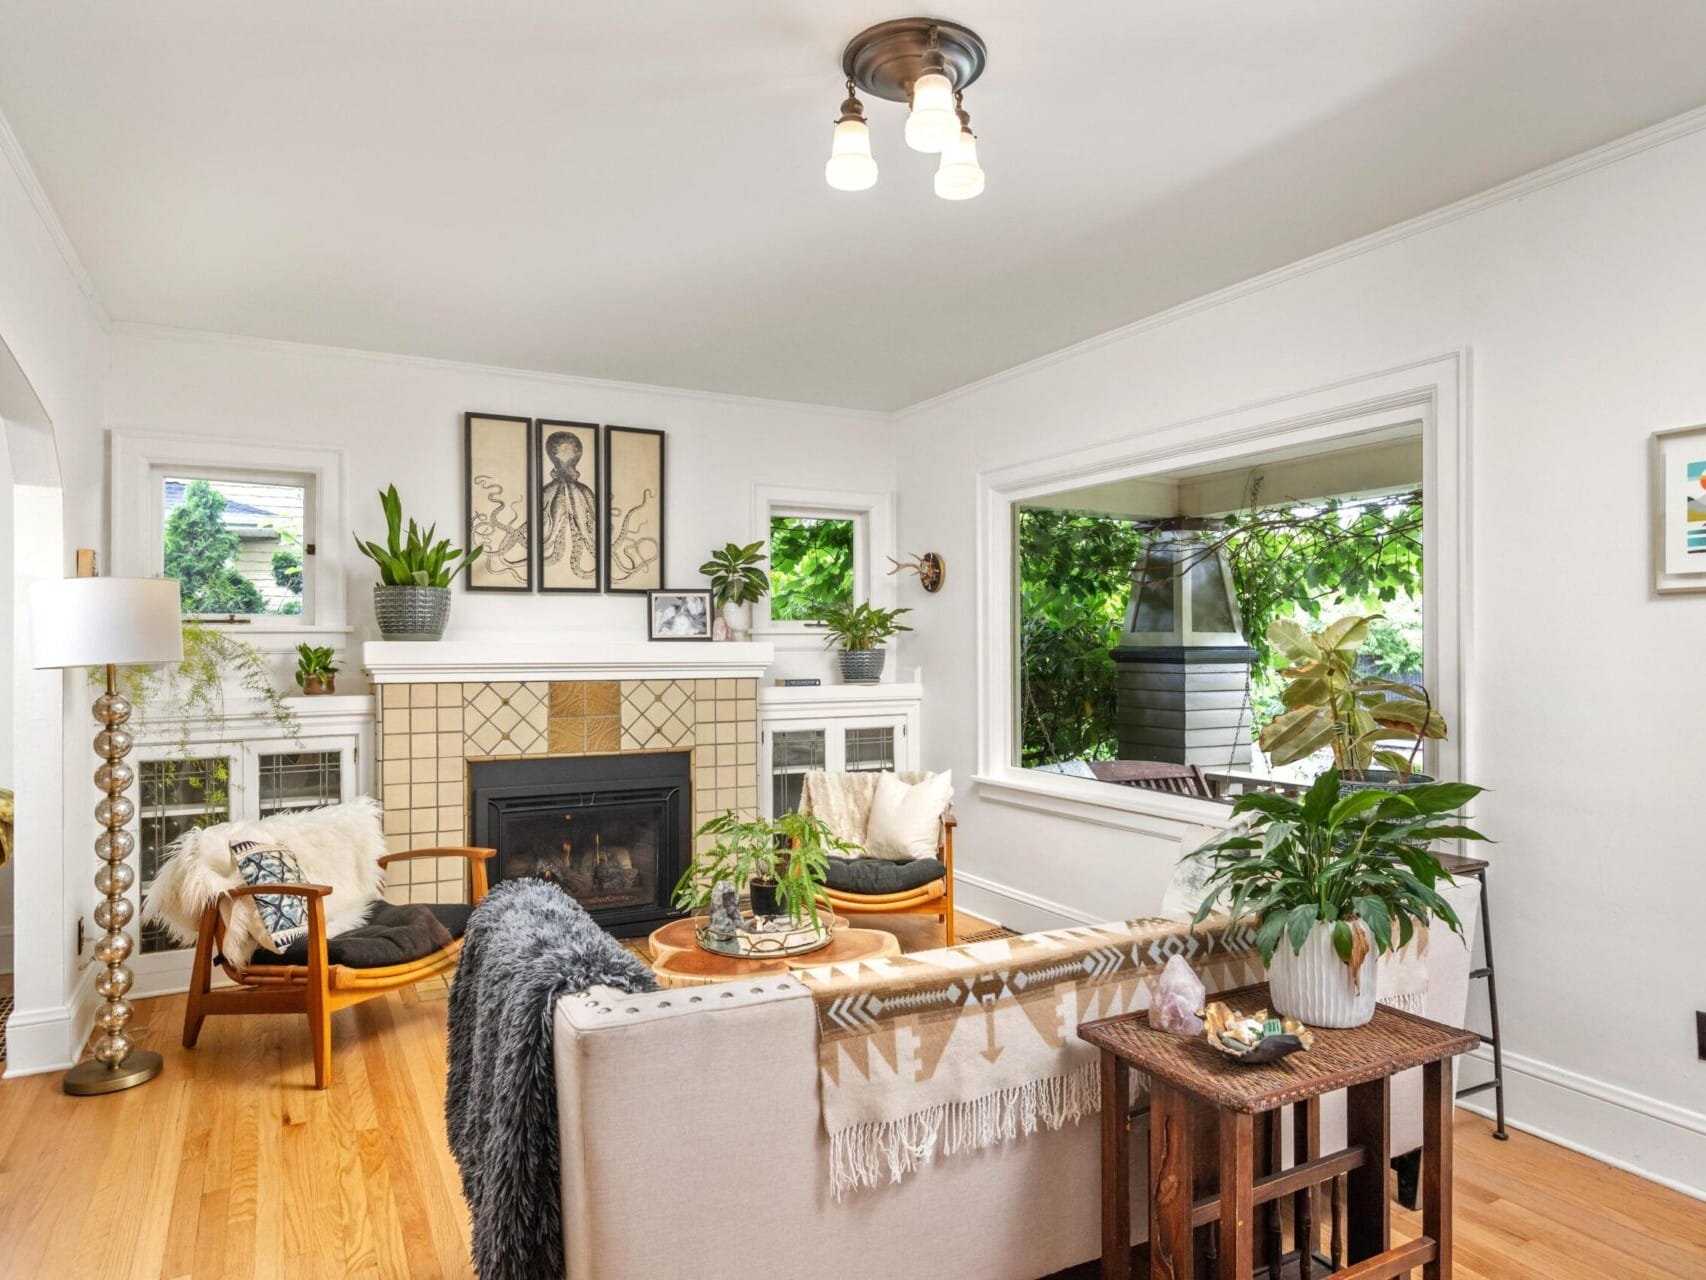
{"x": 613, "y": 830}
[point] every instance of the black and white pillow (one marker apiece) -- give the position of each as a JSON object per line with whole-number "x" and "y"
{"x": 283, "y": 916}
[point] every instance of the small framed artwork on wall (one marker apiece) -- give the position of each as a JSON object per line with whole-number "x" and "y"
{"x": 678, "y": 615}
{"x": 498, "y": 454}
{"x": 1679, "y": 509}
{"x": 569, "y": 535}
{"x": 634, "y": 510}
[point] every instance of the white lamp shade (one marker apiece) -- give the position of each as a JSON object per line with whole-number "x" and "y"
{"x": 89, "y": 622}
{"x": 959, "y": 176}
{"x": 934, "y": 123}
{"x": 850, "y": 166}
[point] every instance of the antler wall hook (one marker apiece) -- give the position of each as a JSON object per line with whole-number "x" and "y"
{"x": 931, "y": 569}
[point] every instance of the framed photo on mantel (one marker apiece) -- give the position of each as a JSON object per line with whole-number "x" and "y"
{"x": 634, "y": 510}
{"x": 569, "y": 518}
{"x": 498, "y": 454}
{"x": 1679, "y": 509}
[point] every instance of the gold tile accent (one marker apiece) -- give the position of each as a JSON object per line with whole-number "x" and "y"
{"x": 567, "y": 736}
{"x": 568, "y": 698}
{"x": 603, "y": 734}
{"x": 603, "y": 698}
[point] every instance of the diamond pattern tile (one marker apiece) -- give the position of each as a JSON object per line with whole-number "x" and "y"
{"x": 506, "y": 719}
{"x": 656, "y": 714}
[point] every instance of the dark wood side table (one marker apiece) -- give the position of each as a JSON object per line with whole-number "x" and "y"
{"x": 1182, "y": 1071}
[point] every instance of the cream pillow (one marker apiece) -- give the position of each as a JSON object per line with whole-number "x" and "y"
{"x": 906, "y": 820}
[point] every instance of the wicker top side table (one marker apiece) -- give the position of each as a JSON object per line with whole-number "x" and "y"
{"x": 1184, "y": 1070}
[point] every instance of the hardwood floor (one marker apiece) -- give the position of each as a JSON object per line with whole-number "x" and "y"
{"x": 231, "y": 1165}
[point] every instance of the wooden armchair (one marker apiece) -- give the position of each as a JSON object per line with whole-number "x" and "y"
{"x": 318, "y": 989}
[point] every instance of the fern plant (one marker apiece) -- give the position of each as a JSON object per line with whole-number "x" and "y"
{"x": 415, "y": 560}
{"x": 791, "y": 853}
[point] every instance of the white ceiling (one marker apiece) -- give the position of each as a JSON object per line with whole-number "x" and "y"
{"x": 635, "y": 191}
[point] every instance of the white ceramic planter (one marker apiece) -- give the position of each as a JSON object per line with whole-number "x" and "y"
{"x": 1315, "y": 986}
{"x": 739, "y": 620}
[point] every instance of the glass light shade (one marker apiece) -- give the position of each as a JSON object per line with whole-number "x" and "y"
{"x": 850, "y": 166}
{"x": 934, "y": 122}
{"x": 959, "y": 176}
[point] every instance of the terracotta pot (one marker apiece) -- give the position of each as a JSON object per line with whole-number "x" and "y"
{"x": 319, "y": 686}
{"x": 1317, "y": 988}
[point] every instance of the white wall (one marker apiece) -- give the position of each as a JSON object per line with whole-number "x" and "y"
{"x": 400, "y": 421}
{"x": 1583, "y": 308}
{"x": 7, "y": 781}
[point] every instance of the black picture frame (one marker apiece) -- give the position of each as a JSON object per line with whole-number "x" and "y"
{"x": 698, "y": 593}
{"x": 591, "y": 438}
{"x": 633, "y": 555}
{"x": 493, "y": 526}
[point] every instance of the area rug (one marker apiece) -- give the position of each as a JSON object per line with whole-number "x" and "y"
{"x": 988, "y": 935}
{"x": 973, "y": 1046}
{"x": 5, "y": 1016}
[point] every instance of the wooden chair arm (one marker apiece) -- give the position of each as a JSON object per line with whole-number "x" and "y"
{"x": 476, "y": 856}
{"x": 310, "y": 891}
{"x": 448, "y": 851}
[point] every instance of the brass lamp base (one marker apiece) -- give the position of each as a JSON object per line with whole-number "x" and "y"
{"x": 87, "y": 1079}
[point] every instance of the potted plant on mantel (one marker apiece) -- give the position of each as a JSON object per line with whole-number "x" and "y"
{"x": 315, "y": 674}
{"x": 411, "y": 600}
{"x": 1329, "y": 703}
{"x": 781, "y": 862}
{"x": 1336, "y": 877}
{"x": 738, "y": 581}
{"x": 861, "y": 630}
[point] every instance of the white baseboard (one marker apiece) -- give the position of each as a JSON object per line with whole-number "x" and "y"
{"x": 39, "y": 1040}
{"x": 1014, "y": 908}
{"x": 1648, "y": 1137}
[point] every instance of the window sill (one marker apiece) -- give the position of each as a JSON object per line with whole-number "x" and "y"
{"x": 1103, "y": 804}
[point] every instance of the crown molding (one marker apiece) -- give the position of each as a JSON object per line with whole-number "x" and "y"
{"x": 170, "y": 333}
{"x": 20, "y": 162}
{"x": 1585, "y": 162}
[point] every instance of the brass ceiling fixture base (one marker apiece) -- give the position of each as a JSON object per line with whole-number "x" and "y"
{"x": 884, "y": 60}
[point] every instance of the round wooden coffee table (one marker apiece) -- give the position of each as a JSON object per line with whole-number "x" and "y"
{"x": 679, "y": 961}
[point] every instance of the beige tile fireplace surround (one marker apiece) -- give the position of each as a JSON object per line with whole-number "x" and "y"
{"x": 580, "y": 699}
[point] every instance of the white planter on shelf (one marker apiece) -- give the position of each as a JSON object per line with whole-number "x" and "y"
{"x": 739, "y": 619}
{"x": 1319, "y": 989}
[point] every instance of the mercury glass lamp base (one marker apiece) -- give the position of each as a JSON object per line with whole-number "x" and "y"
{"x": 89, "y": 1078}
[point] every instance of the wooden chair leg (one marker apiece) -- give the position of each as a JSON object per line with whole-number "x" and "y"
{"x": 201, "y": 979}
{"x": 319, "y": 998}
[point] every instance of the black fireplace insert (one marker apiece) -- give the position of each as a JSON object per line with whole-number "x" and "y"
{"x": 612, "y": 830}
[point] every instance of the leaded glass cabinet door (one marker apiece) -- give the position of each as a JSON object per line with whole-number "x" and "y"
{"x": 870, "y": 748}
{"x": 177, "y": 793}
{"x": 298, "y": 779}
{"x": 790, "y": 754}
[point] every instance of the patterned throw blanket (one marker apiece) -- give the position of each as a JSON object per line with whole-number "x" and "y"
{"x": 975, "y": 1045}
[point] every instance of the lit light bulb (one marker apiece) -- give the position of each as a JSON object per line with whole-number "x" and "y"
{"x": 959, "y": 176}
{"x": 933, "y": 125}
{"x": 850, "y": 166}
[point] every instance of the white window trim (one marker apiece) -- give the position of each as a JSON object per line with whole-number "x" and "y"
{"x": 873, "y": 522}
{"x": 1433, "y": 393}
{"x": 136, "y": 533}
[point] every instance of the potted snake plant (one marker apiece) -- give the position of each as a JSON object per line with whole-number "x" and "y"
{"x": 412, "y": 597}
{"x": 861, "y": 630}
{"x": 1336, "y": 878}
{"x": 738, "y": 581}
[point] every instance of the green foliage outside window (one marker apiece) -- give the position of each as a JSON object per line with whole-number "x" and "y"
{"x": 811, "y": 567}
{"x": 200, "y": 554}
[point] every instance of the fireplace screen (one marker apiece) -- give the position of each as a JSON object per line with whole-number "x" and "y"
{"x": 613, "y": 831}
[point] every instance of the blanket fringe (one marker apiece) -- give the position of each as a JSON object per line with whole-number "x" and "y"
{"x": 1410, "y": 1001}
{"x": 866, "y": 1155}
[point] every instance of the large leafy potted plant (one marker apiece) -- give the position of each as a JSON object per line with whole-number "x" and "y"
{"x": 1336, "y": 878}
{"x": 412, "y": 597}
{"x": 738, "y": 581}
{"x": 861, "y": 630}
{"x": 1330, "y": 703}
{"x": 782, "y": 862}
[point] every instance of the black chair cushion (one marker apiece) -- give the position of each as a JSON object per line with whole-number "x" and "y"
{"x": 392, "y": 935}
{"x": 879, "y": 875}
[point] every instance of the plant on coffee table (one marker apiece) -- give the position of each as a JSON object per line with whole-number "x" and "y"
{"x": 784, "y": 858}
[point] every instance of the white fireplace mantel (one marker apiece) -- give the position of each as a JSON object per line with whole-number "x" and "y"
{"x": 561, "y": 657}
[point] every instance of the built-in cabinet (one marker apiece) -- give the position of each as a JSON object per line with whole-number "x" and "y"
{"x": 235, "y": 770}
{"x": 835, "y": 728}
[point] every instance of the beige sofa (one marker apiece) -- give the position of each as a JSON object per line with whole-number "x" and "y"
{"x": 691, "y": 1144}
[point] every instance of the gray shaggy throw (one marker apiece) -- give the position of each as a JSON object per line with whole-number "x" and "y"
{"x": 527, "y": 944}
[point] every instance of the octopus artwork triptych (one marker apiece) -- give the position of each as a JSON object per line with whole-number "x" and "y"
{"x": 564, "y": 506}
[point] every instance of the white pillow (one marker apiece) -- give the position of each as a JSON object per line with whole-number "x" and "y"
{"x": 906, "y": 820}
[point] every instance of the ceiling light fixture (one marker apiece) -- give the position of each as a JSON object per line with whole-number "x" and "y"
{"x": 928, "y": 64}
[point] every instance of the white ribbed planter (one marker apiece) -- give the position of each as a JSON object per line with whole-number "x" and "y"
{"x": 1314, "y": 985}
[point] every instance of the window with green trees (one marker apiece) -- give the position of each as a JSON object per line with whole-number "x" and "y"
{"x": 235, "y": 546}
{"x": 811, "y": 566}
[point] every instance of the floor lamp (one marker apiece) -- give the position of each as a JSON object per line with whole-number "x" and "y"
{"x": 109, "y": 622}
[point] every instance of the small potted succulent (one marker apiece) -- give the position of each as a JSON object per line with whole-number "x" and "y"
{"x": 1336, "y": 878}
{"x": 1329, "y": 703}
{"x": 861, "y": 630}
{"x": 781, "y": 862}
{"x": 412, "y": 597}
{"x": 738, "y": 581}
{"x": 315, "y": 674}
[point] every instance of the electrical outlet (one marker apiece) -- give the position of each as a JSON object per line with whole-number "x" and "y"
{"x": 1700, "y": 1032}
